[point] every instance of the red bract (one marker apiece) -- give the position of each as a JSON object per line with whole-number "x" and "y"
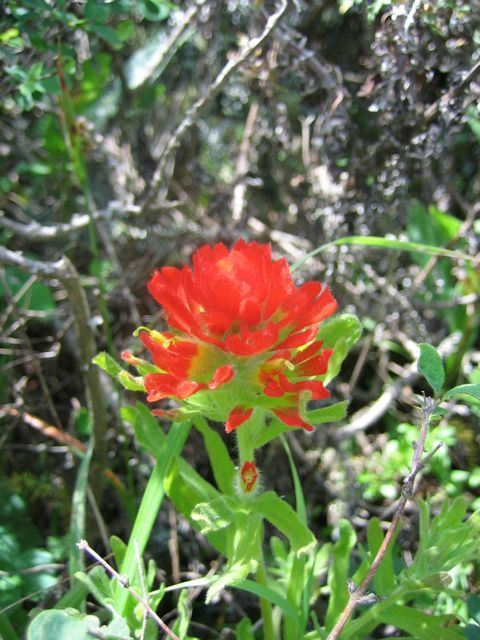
{"x": 239, "y": 329}
{"x": 240, "y": 300}
{"x": 248, "y": 475}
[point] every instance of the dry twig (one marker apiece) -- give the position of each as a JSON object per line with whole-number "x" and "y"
{"x": 358, "y": 594}
{"x": 64, "y": 271}
{"x": 197, "y": 108}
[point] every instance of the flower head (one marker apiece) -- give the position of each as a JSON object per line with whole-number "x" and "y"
{"x": 241, "y": 335}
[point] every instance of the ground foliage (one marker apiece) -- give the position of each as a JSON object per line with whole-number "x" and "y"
{"x": 351, "y": 119}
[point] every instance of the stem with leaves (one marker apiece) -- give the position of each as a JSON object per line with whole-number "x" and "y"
{"x": 123, "y": 581}
{"x": 358, "y": 595}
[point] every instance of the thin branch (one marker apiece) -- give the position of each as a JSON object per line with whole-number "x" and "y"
{"x": 434, "y": 108}
{"x": 79, "y": 221}
{"x": 197, "y": 108}
{"x": 33, "y": 355}
{"x": 162, "y": 56}
{"x": 411, "y": 15}
{"x": 238, "y": 199}
{"x": 358, "y": 595}
{"x": 34, "y": 267}
{"x": 64, "y": 271}
{"x": 123, "y": 582}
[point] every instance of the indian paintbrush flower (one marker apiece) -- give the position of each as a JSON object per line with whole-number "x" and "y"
{"x": 241, "y": 336}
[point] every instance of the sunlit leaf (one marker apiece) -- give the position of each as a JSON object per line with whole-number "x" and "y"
{"x": 430, "y": 365}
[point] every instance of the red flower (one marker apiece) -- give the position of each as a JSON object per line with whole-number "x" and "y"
{"x": 241, "y": 300}
{"x": 239, "y": 329}
{"x": 249, "y": 476}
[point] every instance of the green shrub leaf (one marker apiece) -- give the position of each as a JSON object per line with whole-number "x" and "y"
{"x": 430, "y": 365}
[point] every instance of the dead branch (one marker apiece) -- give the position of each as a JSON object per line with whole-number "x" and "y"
{"x": 65, "y": 272}
{"x": 197, "y": 108}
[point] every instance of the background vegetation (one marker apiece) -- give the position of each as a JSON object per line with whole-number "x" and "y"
{"x": 134, "y": 131}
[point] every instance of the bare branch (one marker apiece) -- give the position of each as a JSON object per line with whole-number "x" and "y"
{"x": 238, "y": 199}
{"x": 64, "y": 271}
{"x": 199, "y": 105}
{"x": 35, "y": 267}
{"x": 123, "y": 582}
{"x": 357, "y": 594}
{"x": 33, "y": 356}
{"x": 78, "y": 222}
{"x": 434, "y": 108}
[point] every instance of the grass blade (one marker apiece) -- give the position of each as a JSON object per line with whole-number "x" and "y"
{"x": 148, "y": 511}
{"x": 386, "y": 243}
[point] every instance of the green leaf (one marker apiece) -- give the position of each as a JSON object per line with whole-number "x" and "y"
{"x": 384, "y": 243}
{"x": 7, "y": 631}
{"x": 232, "y": 576}
{"x": 244, "y": 549}
{"x": 78, "y": 514}
{"x": 154, "y": 10}
{"x": 472, "y": 391}
{"x": 268, "y": 594}
{"x": 430, "y": 365}
{"x": 106, "y": 33}
{"x": 445, "y": 542}
{"x": 384, "y": 579}
{"x": 148, "y": 512}
{"x": 108, "y": 364}
{"x": 332, "y": 413}
{"x": 284, "y": 518}
{"x": 72, "y": 625}
{"x": 96, "y": 11}
{"x": 184, "y": 614}
{"x": 119, "y": 548}
{"x": 186, "y": 489}
{"x": 31, "y": 295}
{"x": 98, "y": 584}
{"x": 214, "y": 515}
{"x": 131, "y": 383}
{"x": 339, "y": 573}
{"x": 421, "y": 625}
{"x": 299, "y": 497}
{"x": 339, "y": 333}
{"x": 74, "y": 598}
{"x": 222, "y": 465}
{"x": 244, "y": 630}
{"x": 148, "y": 432}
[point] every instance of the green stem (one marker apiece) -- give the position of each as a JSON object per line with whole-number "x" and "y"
{"x": 6, "y": 628}
{"x": 265, "y": 606}
{"x": 244, "y": 440}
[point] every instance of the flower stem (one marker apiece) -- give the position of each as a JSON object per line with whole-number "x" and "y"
{"x": 265, "y": 606}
